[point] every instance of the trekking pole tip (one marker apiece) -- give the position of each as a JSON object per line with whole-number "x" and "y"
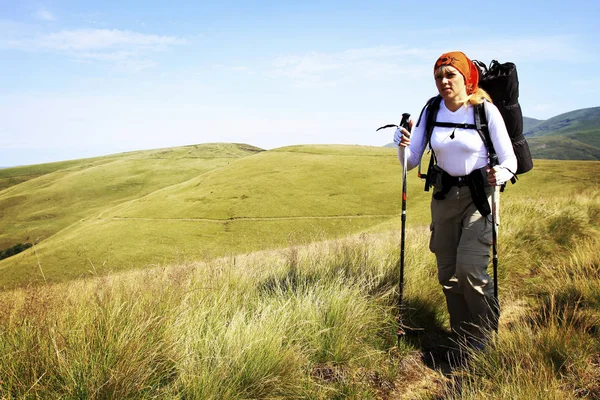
{"x": 399, "y": 335}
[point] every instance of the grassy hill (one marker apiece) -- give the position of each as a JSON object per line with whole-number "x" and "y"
{"x": 582, "y": 120}
{"x": 530, "y": 123}
{"x": 105, "y": 218}
{"x": 561, "y": 148}
{"x": 38, "y": 201}
{"x": 316, "y": 320}
{"x": 11, "y": 176}
{"x": 198, "y": 203}
{"x": 570, "y": 136}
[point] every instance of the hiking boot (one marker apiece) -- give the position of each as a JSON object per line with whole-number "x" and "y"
{"x": 457, "y": 358}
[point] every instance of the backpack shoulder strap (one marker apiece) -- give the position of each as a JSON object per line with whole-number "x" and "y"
{"x": 481, "y": 125}
{"x": 433, "y": 106}
{"x": 484, "y": 132}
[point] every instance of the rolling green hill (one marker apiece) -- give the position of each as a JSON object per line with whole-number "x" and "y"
{"x": 11, "y": 176}
{"x": 316, "y": 321}
{"x": 582, "y": 120}
{"x": 200, "y": 202}
{"x": 530, "y": 123}
{"x": 38, "y": 201}
{"x": 561, "y": 148}
{"x": 272, "y": 199}
{"x": 570, "y": 136}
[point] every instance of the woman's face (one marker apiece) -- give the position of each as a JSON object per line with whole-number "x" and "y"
{"x": 450, "y": 83}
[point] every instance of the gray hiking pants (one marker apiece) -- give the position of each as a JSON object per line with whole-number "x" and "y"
{"x": 461, "y": 240}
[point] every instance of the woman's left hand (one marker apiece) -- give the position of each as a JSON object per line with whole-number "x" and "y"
{"x": 498, "y": 175}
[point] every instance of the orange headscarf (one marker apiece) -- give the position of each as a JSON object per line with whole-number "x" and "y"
{"x": 461, "y": 62}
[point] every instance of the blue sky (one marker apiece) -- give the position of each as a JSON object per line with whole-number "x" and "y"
{"x": 79, "y": 79}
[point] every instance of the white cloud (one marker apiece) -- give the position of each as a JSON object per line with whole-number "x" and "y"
{"x": 380, "y": 63}
{"x": 44, "y": 15}
{"x": 112, "y": 46}
{"x": 234, "y": 68}
{"x": 332, "y": 69}
{"x": 124, "y": 61}
{"x": 528, "y": 49}
{"x": 104, "y": 39}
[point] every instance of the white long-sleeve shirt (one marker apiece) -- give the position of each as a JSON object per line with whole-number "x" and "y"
{"x": 460, "y": 151}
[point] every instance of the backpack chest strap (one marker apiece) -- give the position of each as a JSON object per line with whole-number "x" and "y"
{"x": 453, "y": 125}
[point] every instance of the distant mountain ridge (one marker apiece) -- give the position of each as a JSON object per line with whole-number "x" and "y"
{"x": 578, "y": 120}
{"x": 530, "y": 123}
{"x": 574, "y": 135}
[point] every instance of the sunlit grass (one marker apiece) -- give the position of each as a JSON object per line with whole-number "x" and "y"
{"x": 274, "y": 199}
{"x": 551, "y": 348}
{"x": 316, "y": 320}
{"x": 251, "y": 327}
{"x": 43, "y": 199}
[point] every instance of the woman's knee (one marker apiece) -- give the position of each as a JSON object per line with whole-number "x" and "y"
{"x": 474, "y": 277}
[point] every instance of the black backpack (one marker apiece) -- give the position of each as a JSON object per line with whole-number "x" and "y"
{"x": 501, "y": 82}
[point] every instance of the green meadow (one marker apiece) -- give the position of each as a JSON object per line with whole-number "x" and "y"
{"x": 41, "y": 201}
{"x": 142, "y": 211}
{"x": 154, "y": 208}
{"x": 274, "y": 274}
{"x": 38, "y": 201}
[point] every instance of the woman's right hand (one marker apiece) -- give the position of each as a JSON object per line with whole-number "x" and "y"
{"x": 402, "y": 136}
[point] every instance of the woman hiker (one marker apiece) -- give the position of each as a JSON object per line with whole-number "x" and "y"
{"x": 460, "y": 236}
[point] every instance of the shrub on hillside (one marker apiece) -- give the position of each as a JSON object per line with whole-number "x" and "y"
{"x": 16, "y": 249}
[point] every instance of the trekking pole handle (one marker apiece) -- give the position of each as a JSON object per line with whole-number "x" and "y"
{"x": 404, "y": 121}
{"x": 493, "y": 160}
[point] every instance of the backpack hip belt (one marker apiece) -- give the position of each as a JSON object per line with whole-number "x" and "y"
{"x": 476, "y": 181}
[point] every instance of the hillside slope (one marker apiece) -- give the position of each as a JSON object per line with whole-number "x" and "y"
{"x": 40, "y": 200}
{"x": 582, "y": 120}
{"x": 274, "y": 199}
{"x": 530, "y": 123}
{"x": 561, "y": 148}
{"x": 320, "y": 321}
{"x": 570, "y": 136}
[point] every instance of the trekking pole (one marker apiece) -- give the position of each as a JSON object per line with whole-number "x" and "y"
{"x": 495, "y": 221}
{"x": 403, "y": 124}
{"x": 400, "y": 332}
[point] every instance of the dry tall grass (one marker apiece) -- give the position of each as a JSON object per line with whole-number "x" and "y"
{"x": 315, "y": 322}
